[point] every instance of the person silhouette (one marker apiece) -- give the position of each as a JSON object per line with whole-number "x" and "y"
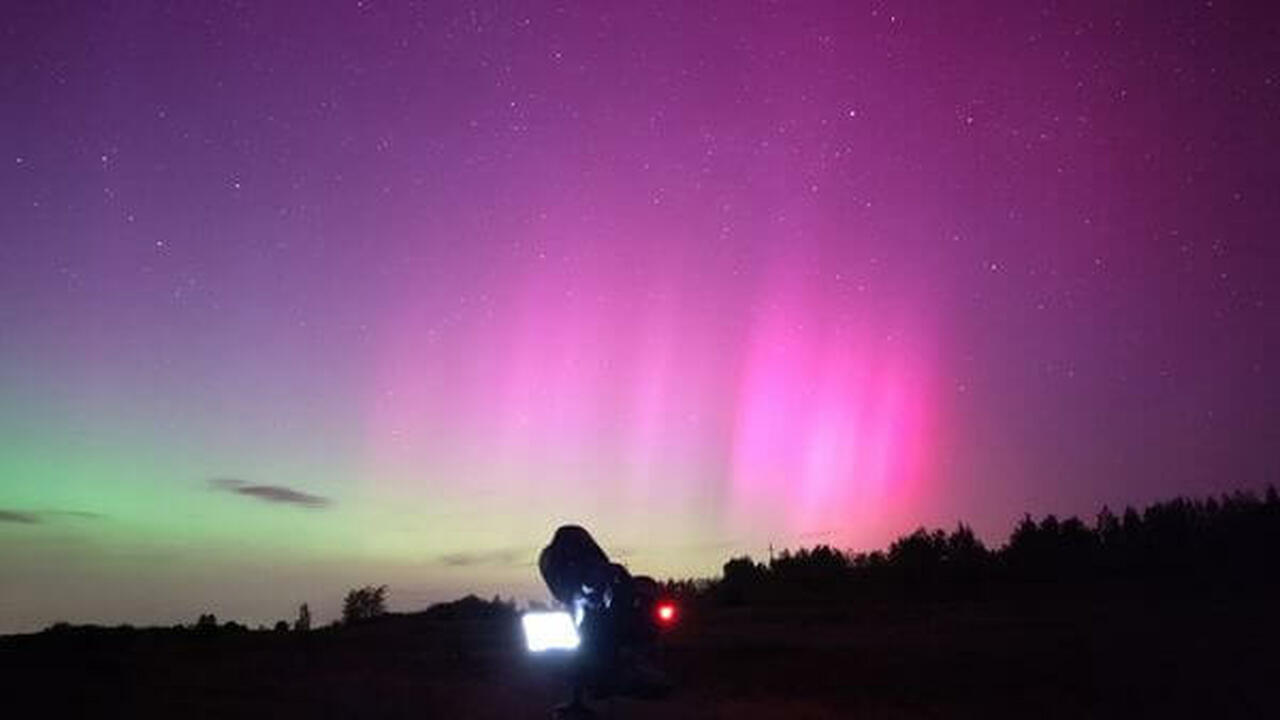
{"x": 615, "y": 616}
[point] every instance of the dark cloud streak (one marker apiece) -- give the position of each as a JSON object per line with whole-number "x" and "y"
{"x": 78, "y": 514}
{"x": 510, "y": 557}
{"x": 38, "y": 517}
{"x": 271, "y": 493}
{"x": 18, "y": 517}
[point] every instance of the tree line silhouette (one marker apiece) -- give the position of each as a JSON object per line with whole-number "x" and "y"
{"x": 1231, "y": 539}
{"x": 1234, "y": 539}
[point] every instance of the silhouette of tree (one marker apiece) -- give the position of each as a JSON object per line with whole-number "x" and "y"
{"x": 303, "y": 623}
{"x": 364, "y": 603}
{"x": 742, "y": 580}
{"x": 281, "y": 627}
{"x": 918, "y": 557}
{"x": 966, "y": 557}
{"x": 1107, "y": 527}
{"x": 814, "y": 570}
{"x": 1235, "y": 537}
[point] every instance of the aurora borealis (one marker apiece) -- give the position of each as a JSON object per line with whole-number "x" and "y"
{"x": 296, "y": 297}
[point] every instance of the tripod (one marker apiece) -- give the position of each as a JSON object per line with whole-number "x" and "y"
{"x": 576, "y": 708}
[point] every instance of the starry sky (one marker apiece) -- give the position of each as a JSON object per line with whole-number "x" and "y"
{"x": 296, "y": 297}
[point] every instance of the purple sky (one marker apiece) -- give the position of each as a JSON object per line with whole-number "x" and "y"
{"x": 320, "y": 294}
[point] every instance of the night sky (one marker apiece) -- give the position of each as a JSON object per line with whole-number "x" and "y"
{"x": 296, "y": 297}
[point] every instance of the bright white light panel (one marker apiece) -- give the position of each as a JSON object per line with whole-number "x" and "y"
{"x": 549, "y": 631}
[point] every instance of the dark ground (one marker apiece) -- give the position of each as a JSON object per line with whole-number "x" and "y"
{"x": 1021, "y": 652}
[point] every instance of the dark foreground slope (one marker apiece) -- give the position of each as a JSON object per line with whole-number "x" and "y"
{"x": 1105, "y": 650}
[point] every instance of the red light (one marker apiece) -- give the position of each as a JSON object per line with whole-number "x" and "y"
{"x": 667, "y": 613}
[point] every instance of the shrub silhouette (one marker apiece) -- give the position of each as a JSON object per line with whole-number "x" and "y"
{"x": 207, "y": 624}
{"x": 472, "y": 608}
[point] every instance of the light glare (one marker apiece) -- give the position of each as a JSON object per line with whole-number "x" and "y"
{"x": 549, "y": 631}
{"x": 666, "y": 612}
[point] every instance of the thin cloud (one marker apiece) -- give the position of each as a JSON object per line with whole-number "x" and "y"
{"x": 510, "y": 557}
{"x": 77, "y": 514}
{"x": 271, "y": 493}
{"x": 19, "y": 517}
{"x": 38, "y": 517}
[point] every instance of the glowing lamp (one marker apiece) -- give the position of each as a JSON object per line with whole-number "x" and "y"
{"x": 545, "y": 631}
{"x": 666, "y": 613}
